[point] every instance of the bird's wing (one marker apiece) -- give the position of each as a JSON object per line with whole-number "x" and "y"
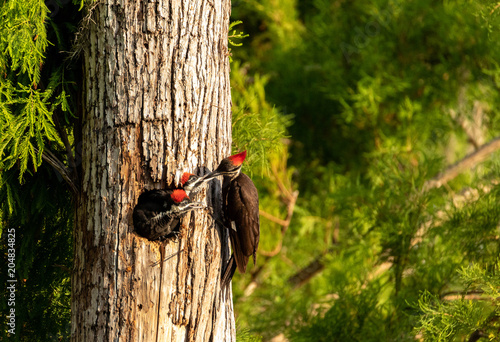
{"x": 243, "y": 209}
{"x": 240, "y": 258}
{"x": 250, "y": 198}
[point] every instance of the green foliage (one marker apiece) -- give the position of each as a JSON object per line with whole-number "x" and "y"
{"x": 233, "y": 36}
{"x": 43, "y": 227}
{"x": 24, "y": 134}
{"x": 354, "y": 317}
{"x": 23, "y": 37}
{"x": 252, "y": 114}
{"x": 37, "y": 106}
{"x": 244, "y": 335}
{"x": 449, "y": 319}
{"x": 385, "y": 95}
{"x": 29, "y": 97}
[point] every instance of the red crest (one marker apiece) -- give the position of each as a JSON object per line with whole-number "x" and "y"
{"x": 178, "y": 195}
{"x": 185, "y": 177}
{"x": 238, "y": 159}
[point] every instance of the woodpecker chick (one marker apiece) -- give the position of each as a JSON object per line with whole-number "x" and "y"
{"x": 191, "y": 183}
{"x": 158, "y": 212}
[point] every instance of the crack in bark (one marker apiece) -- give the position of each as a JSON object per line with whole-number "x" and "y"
{"x": 162, "y": 256}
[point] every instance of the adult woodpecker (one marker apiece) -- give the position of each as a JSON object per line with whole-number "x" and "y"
{"x": 191, "y": 183}
{"x": 240, "y": 203}
{"x": 158, "y": 212}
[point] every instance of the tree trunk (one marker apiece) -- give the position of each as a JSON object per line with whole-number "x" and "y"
{"x": 156, "y": 99}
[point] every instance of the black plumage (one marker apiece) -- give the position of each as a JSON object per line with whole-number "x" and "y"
{"x": 158, "y": 212}
{"x": 241, "y": 215}
{"x": 241, "y": 210}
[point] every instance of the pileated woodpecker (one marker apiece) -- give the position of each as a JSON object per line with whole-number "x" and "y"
{"x": 240, "y": 202}
{"x": 191, "y": 183}
{"x": 158, "y": 212}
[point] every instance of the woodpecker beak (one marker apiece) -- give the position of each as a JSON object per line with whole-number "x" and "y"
{"x": 187, "y": 206}
{"x": 222, "y": 172}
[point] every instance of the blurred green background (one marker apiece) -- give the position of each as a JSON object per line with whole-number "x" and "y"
{"x": 351, "y": 111}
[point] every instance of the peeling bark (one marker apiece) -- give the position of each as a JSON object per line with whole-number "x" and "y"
{"x": 156, "y": 100}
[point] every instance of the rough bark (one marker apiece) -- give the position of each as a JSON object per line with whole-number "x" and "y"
{"x": 156, "y": 99}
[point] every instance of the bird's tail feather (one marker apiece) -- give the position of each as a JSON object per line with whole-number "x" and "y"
{"x": 228, "y": 272}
